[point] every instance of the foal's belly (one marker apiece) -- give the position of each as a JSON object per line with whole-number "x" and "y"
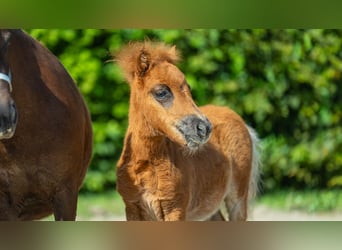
{"x": 206, "y": 205}
{"x": 209, "y": 185}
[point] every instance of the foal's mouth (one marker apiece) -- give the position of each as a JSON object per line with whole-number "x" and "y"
{"x": 195, "y": 130}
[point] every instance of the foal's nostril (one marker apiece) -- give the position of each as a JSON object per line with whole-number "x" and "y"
{"x": 203, "y": 128}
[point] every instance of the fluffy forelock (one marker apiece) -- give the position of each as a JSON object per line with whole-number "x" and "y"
{"x": 128, "y": 57}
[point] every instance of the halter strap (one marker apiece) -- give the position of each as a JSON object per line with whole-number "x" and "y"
{"x": 7, "y": 78}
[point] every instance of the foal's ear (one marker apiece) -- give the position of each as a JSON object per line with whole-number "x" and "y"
{"x": 143, "y": 63}
{"x": 173, "y": 50}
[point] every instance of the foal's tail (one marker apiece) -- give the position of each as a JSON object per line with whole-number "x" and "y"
{"x": 255, "y": 172}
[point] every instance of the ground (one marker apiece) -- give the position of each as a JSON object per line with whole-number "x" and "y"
{"x": 325, "y": 206}
{"x": 263, "y": 213}
{"x": 258, "y": 213}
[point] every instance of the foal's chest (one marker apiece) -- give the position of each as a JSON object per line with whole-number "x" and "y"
{"x": 148, "y": 180}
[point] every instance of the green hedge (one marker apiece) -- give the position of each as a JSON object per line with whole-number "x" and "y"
{"x": 285, "y": 83}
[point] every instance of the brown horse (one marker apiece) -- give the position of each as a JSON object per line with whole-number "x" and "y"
{"x": 180, "y": 162}
{"x": 44, "y": 154}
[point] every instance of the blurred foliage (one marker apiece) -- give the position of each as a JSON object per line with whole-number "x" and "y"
{"x": 284, "y": 83}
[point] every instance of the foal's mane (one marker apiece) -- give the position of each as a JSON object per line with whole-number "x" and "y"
{"x": 136, "y": 58}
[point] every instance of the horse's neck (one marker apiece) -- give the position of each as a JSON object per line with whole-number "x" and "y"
{"x": 144, "y": 142}
{"x": 145, "y": 145}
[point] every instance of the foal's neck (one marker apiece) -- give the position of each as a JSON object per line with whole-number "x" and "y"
{"x": 144, "y": 140}
{"x": 151, "y": 149}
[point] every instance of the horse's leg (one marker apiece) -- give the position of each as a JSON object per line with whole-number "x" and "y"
{"x": 218, "y": 216}
{"x": 6, "y": 212}
{"x": 237, "y": 208}
{"x": 169, "y": 211}
{"x": 163, "y": 211}
{"x": 236, "y": 200}
{"x": 65, "y": 204}
{"x": 133, "y": 212}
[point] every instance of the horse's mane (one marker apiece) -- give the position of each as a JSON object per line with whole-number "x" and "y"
{"x": 137, "y": 58}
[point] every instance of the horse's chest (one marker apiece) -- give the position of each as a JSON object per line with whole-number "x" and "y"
{"x": 158, "y": 181}
{"x": 147, "y": 181}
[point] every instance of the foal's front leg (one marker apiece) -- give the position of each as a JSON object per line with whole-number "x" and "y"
{"x": 169, "y": 211}
{"x": 133, "y": 212}
{"x": 162, "y": 210}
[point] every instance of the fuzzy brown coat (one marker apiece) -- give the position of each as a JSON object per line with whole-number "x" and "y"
{"x": 43, "y": 165}
{"x": 161, "y": 174}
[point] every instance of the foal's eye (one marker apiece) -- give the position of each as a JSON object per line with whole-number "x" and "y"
{"x": 162, "y": 94}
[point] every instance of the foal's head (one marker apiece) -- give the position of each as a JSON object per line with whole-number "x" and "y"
{"x": 8, "y": 113}
{"x": 160, "y": 94}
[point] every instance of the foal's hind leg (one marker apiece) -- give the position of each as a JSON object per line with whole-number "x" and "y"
{"x": 65, "y": 204}
{"x": 237, "y": 208}
{"x": 221, "y": 214}
{"x": 218, "y": 216}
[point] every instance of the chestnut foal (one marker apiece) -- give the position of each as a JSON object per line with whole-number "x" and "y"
{"x": 179, "y": 161}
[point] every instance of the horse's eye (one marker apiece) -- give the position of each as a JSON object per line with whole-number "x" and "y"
{"x": 162, "y": 93}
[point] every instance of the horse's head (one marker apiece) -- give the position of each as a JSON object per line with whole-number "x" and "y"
{"x": 8, "y": 112}
{"x": 161, "y": 94}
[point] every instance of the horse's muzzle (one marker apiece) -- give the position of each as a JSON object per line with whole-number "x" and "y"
{"x": 8, "y": 119}
{"x": 196, "y": 130}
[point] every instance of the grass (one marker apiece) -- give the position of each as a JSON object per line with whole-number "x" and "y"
{"x": 98, "y": 207}
{"x": 109, "y": 205}
{"x": 311, "y": 201}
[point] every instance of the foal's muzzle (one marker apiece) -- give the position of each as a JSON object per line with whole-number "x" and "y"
{"x": 196, "y": 130}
